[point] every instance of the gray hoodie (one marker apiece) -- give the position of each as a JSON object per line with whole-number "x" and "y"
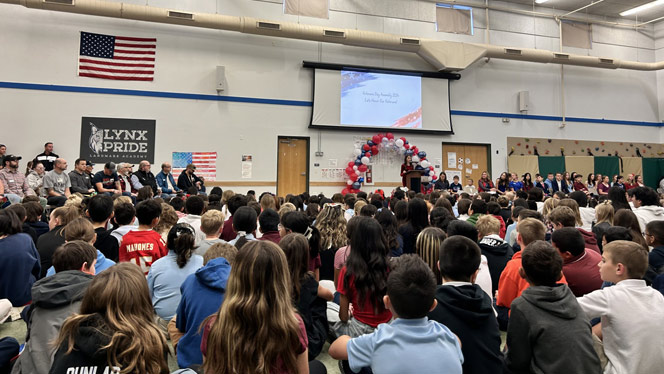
{"x": 549, "y": 333}
{"x": 53, "y": 300}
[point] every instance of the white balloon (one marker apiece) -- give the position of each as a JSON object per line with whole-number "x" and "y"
{"x": 425, "y": 164}
{"x": 399, "y": 143}
{"x": 415, "y": 159}
{"x": 385, "y": 140}
{"x": 365, "y": 160}
{"x": 357, "y": 152}
{"x": 355, "y": 167}
{"x": 349, "y": 182}
{"x": 390, "y": 142}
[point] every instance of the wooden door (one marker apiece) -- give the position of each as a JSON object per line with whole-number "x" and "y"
{"x": 292, "y": 166}
{"x": 475, "y": 154}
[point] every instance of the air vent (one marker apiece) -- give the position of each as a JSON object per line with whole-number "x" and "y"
{"x": 60, "y": 2}
{"x": 334, "y": 33}
{"x": 268, "y": 25}
{"x": 561, "y": 56}
{"x": 606, "y": 61}
{"x": 408, "y": 41}
{"x": 181, "y": 15}
{"x": 511, "y": 51}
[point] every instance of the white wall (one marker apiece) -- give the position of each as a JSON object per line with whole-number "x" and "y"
{"x": 41, "y": 47}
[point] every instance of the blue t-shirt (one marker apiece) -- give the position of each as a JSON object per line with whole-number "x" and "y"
{"x": 456, "y": 187}
{"x": 429, "y": 347}
{"x": 516, "y": 185}
{"x": 164, "y": 281}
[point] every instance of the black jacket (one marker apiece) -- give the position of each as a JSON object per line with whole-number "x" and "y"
{"x": 46, "y": 246}
{"x": 185, "y": 184}
{"x": 107, "y": 244}
{"x": 467, "y": 312}
{"x": 147, "y": 179}
{"x": 497, "y": 252}
{"x": 549, "y": 333}
{"x": 313, "y": 309}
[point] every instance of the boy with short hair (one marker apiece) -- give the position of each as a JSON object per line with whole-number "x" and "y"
{"x": 496, "y": 250}
{"x": 429, "y": 346}
{"x": 465, "y": 309}
{"x": 563, "y": 216}
{"x": 631, "y": 312}
{"x": 455, "y": 186}
{"x": 547, "y": 332}
{"x": 124, "y": 214}
{"x": 144, "y": 246}
{"x": 100, "y": 211}
{"x": 463, "y": 205}
{"x": 269, "y": 226}
{"x": 194, "y": 206}
{"x": 477, "y": 209}
{"x": 579, "y": 263}
{"x": 212, "y": 222}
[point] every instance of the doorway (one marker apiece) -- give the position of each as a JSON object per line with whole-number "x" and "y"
{"x": 292, "y": 165}
{"x": 470, "y": 160}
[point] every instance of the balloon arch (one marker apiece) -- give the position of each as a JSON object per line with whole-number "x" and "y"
{"x": 384, "y": 143}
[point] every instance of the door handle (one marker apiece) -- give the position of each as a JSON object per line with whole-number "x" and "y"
{"x": 304, "y": 174}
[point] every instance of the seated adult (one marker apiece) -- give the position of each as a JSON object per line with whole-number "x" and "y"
{"x": 36, "y": 180}
{"x": 57, "y": 183}
{"x": 146, "y": 178}
{"x": 106, "y": 181}
{"x": 188, "y": 179}
{"x": 165, "y": 180}
{"x": 579, "y": 264}
{"x": 80, "y": 180}
{"x": 54, "y": 299}
{"x": 128, "y": 183}
{"x": 13, "y": 183}
{"x": 19, "y": 260}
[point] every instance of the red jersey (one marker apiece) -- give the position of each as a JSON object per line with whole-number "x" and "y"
{"x": 142, "y": 248}
{"x": 363, "y": 313}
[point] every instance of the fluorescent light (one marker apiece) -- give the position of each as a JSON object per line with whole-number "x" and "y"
{"x": 641, "y": 8}
{"x": 540, "y": 1}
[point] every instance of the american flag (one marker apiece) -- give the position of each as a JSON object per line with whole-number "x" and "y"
{"x": 116, "y": 57}
{"x": 206, "y": 163}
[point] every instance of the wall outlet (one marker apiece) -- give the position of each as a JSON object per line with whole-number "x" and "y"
{"x": 319, "y": 154}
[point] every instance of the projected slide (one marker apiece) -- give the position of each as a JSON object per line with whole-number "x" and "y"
{"x": 381, "y": 100}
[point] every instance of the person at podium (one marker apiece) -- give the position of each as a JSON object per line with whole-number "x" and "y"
{"x": 405, "y": 168}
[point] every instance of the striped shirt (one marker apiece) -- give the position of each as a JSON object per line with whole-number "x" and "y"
{"x": 15, "y": 182}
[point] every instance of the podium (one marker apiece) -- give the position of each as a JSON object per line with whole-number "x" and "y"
{"x": 414, "y": 180}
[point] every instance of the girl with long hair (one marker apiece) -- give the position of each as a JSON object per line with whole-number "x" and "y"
{"x": 257, "y": 329}
{"x": 115, "y": 329}
{"x": 484, "y": 184}
{"x": 168, "y": 273}
{"x": 590, "y": 181}
{"x": 618, "y": 198}
{"x": 401, "y": 212}
{"x": 418, "y": 219}
{"x": 428, "y": 248}
{"x": 244, "y": 224}
{"x": 298, "y": 222}
{"x": 603, "y": 187}
{"x": 343, "y": 252}
{"x": 388, "y": 223}
{"x": 503, "y": 182}
{"x": 332, "y": 227}
{"x": 527, "y": 182}
{"x": 308, "y": 296}
{"x": 405, "y": 168}
{"x": 603, "y": 220}
{"x": 363, "y": 281}
{"x": 442, "y": 183}
{"x": 627, "y": 219}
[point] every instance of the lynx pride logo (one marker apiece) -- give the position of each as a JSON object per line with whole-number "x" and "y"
{"x": 112, "y": 140}
{"x": 117, "y": 140}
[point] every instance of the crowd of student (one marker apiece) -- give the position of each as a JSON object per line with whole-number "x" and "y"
{"x": 406, "y": 283}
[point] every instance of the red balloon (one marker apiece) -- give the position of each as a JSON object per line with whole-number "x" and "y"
{"x": 374, "y": 149}
{"x": 350, "y": 170}
{"x": 368, "y": 155}
{"x": 345, "y": 191}
{"x": 362, "y": 168}
{"x": 353, "y": 177}
{"x": 351, "y": 164}
{"x": 431, "y": 167}
{"x": 404, "y": 139}
{"x": 376, "y": 139}
{"x": 389, "y": 136}
{"x": 434, "y": 177}
{"x": 407, "y": 146}
{"x": 415, "y": 150}
{"x": 354, "y": 190}
{"x": 366, "y": 147}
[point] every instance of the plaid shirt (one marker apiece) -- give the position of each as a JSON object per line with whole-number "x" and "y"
{"x": 15, "y": 182}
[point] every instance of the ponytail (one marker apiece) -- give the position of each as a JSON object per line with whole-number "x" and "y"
{"x": 181, "y": 240}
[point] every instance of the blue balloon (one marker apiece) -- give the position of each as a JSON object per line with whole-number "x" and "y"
{"x": 358, "y": 162}
{"x": 409, "y": 152}
{"x": 361, "y": 180}
{"x": 371, "y": 143}
{"x": 419, "y": 167}
{"x": 422, "y": 154}
{"x": 357, "y": 185}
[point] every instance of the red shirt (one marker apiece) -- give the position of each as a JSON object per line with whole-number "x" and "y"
{"x": 583, "y": 273}
{"x": 362, "y": 312}
{"x": 272, "y": 236}
{"x": 142, "y": 248}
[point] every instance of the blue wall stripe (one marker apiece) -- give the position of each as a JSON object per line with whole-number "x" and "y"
{"x": 252, "y": 100}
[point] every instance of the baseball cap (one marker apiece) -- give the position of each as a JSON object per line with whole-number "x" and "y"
{"x": 12, "y": 158}
{"x": 110, "y": 166}
{"x": 89, "y": 163}
{"x": 191, "y": 166}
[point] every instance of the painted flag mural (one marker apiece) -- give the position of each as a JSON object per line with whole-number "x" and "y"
{"x": 116, "y": 57}
{"x": 206, "y": 164}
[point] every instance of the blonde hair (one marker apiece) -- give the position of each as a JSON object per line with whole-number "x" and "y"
{"x": 75, "y": 200}
{"x": 530, "y": 230}
{"x": 226, "y": 195}
{"x": 549, "y": 205}
{"x": 167, "y": 219}
{"x": 118, "y": 305}
{"x": 257, "y": 308}
{"x": 487, "y": 225}
{"x": 632, "y": 255}
{"x": 359, "y": 204}
{"x": 122, "y": 199}
{"x": 66, "y": 214}
{"x": 225, "y": 250}
{"x": 79, "y": 229}
{"x": 427, "y": 246}
{"x": 268, "y": 202}
{"x": 332, "y": 227}
{"x": 604, "y": 212}
{"x": 211, "y": 221}
{"x": 572, "y": 204}
{"x": 286, "y": 208}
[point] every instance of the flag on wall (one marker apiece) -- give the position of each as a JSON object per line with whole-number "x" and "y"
{"x": 206, "y": 164}
{"x": 116, "y": 57}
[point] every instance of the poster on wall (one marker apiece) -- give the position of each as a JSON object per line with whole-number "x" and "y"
{"x": 206, "y": 164}
{"x": 117, "y": 139}
{"x": 247, "y": 166}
